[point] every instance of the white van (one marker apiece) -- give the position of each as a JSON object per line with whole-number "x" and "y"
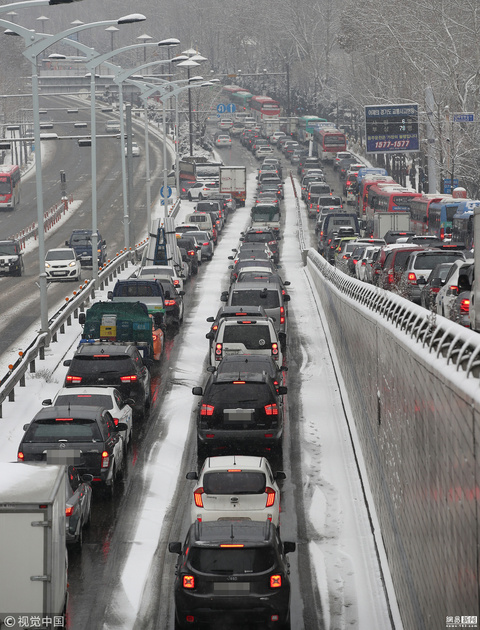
{"x": 202, "y": 219}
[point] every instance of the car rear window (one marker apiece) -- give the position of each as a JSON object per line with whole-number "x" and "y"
{"x": 252, "y": 336}
{"x": 69, "y": 429}
{"x": 90, "y": 400}
{"x": 431, "y": 260}
{"x": 101, "y": 364}
{"x": 257, "y": 297}
{"x": 241, "y": 482}
{"x": 230, "y": 561}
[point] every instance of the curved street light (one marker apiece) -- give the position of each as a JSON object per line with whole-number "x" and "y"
{"x": 35, "y": 45}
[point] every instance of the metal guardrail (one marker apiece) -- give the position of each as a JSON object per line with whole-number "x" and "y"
{"x": 438, "y": 335}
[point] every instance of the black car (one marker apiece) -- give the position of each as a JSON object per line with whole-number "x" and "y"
{"x": 87, "y": 434}
{"x": 253, "y": 363}
{"x": 114, "y": 364}
{"x": 81, "y": 242}
{"x": 240, "y": 413}
{"x": 263, "y": 236}
{"x": 11, "y": 258}
{"x": 232, "y": 573}
{"x": 190, "y": 246}
{"x": 173, "y": 302}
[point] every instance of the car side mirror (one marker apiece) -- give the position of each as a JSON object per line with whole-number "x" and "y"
{"x": 67, "y": 362}
{"x": 122, "y": 426}
{"x": 87, "y": 478}
{"x": 286, "y": 298}
{"x": 224, "y": 297}
{"x": 81, "y": 318}
{"x": 289, "y": 547}
{"x": 47, "y": 402}
{"x": 197, "y": 391}
{"x": 421, "y": 280}
{"x": 210, "y": 319}
{"x": 176, "y": 547}
{"x": 282, "y": 390}
{"x": 25, "y": 427}
{"x": 287, "y": 283}
{"x": 191, "y": 475}
{"x": 231, "y": 258}
{"x": 280, "y": 475}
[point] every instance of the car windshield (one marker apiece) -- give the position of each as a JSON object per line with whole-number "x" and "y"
{"x": 91, "y": 400}
{"x": 69, "y": 429}
{"x": 240, "y": 482}
{"x": 59, "y": 254}
{"x": 256, "y": 297}
{"x": 252, "y": 336}
{"x": 231, "y": 561}
{"x": 81, "y": 239}
{"x": 8, "y": 249}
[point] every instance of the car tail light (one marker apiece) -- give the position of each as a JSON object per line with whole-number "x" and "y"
{"x": 68, "y": 510}
{"x": 465, "y": 306}
{"x": 218, "y": 351}
{"x": 129, "y": 378}
{"x": 73, "y": 379}
{"x": 198, "y": 497}
{"x": 270, "y": 497}
{"x": 453, "y": 289}
{"x": 115, "y": 420}
{"x": 206, "y": 244}
{"x": 442, "y": 233}
{"x": 391, "y": 277}
{"x": 275, "y": 581}
{"x": 20, "y": 456}
{"x": 207, "y": 410}
{"x": 412, "y": 278}
{"x": 282, "y": 314}
{"x": 176, "y": 283}
{"x": 434, "y": 289}
{"x": 271, "y": 410}
{"x": 191, "y": 252}
{"x": 188, "y": 581}
{"x": 170, "y": 302}
{"x": 105, "y": 459}
{"x": 274, "y": 349}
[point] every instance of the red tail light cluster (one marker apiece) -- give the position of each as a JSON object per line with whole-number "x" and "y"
{"x": 282, "y": 312}
{"x": 271, "y": 410}
{"x": 198, "y": 497}
{"x": 68, "y": 510}
{"x": 412, "y": 278}
{"x": 274, "y": 350}
{"x": 73, "y": 379}
{"x": 218, "y": 351}
{"x": 105, "y": 459}
{"x": 170, "y": 302}
{"x": 129, "y": 378}
{"x": 465, "y": 306}
{"x": 188, "y": 581}
{"x": 207, "y": 410}
{"x": 270, "y": 497}
{"x": 275, "y": 581}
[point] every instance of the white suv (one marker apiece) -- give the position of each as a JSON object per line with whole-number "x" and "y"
{"x": 245, "y": 336}
{"x": 236, "y": 487}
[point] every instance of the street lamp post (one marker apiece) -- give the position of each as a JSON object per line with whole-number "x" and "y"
{"x": 112, "y": 30}
{"x": 35, "y": 45}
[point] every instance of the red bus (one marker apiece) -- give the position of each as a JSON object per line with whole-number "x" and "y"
{"x": 383, "y": 197}
{"x": 232, "y": 89}
{"x": 264, "y": 107}
{"x": 420, "y": 211}
{"x": 365, "y": 184}
{"x": 328, "y": 142}
{"x": 9, "y": 187}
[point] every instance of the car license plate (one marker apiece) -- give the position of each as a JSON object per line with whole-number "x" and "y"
{"x": 231, "y": 588}
{"x": 238, "y": 415}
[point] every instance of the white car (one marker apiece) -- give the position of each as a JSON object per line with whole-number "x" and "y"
{"x": 263, "y": 152}
{"x": 62, "y": 264}
{"x": 203, "y": 189}
{"x": 166, "y": 272}
{"x": 247, "y": 336}
{"x": 236, "y": 487}
{"x": 223, "y": 140}
{"x": 225, "y": 123}
{"x": 112, "y": 126}
{"x": 135, "y": 149}
{"x": 106, "y": 397}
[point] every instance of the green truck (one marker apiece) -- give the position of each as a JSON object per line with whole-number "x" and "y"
{"x": 123, "y": 322}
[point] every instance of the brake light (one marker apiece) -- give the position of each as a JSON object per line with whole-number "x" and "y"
{"x": 275, "y": 349}
{"x": 412, "y": 278}
{"x": 454, "y": 289}
{"x": 105, "y": 459}
{"x": 442, "y": 233}
{"x": 233, "y": 546}
{"x": 130, "y": 378}
{"x": 176, "y": 283}
{"x": 198, "y": 497}
{"x": 188, "y": 581}
{"x": 68, "y": 510}
{"x": 207, "y": 410}
{"x": 20, "y": 456}
{"x": 271, "y": 410}
{"x": 275, "y": 581}
{"x": 434, "y": 289}
{"x": 170, "y": 302}
{"x": 115, "y": 420}
{"x": 465, "y": 306}
{"x": 391, "y": 278}
{"x": 191, "y": 252}
{"x": 270, "y": 497}
{"x": 282, "y": 313}
{"x": 205, "y": 244}
{"x": 73, "y": 379}
{"x": 218, "y": 351}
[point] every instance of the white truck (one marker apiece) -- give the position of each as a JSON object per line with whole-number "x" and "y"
{"x": 383, "y": 222}
{"x": 233, "y": 181}
{"x": 33, "y": 573}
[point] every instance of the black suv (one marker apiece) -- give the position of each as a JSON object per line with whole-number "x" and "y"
{"x": 11, "y": 258}
{"x": 231, "y": 573}
{"x": 113, "y": 364}
{"x": 88, "y": 434}
{"x": 263, "y": 236}
{"x": 189, "y": 245}
{"x": 240, "y": 412}
{"x": 81, "y": 242}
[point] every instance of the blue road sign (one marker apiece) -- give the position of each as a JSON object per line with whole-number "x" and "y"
{"x": 221, "y": 108}
{"x": 447, "y": 185}
{"x": 231, "y": 107}
{"x": 464, "y": 117}
{"x": 169, "y": 190}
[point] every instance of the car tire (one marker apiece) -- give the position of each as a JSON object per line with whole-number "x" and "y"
{"x": 110, "y": 489}
{"x": 189, "y": 197}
